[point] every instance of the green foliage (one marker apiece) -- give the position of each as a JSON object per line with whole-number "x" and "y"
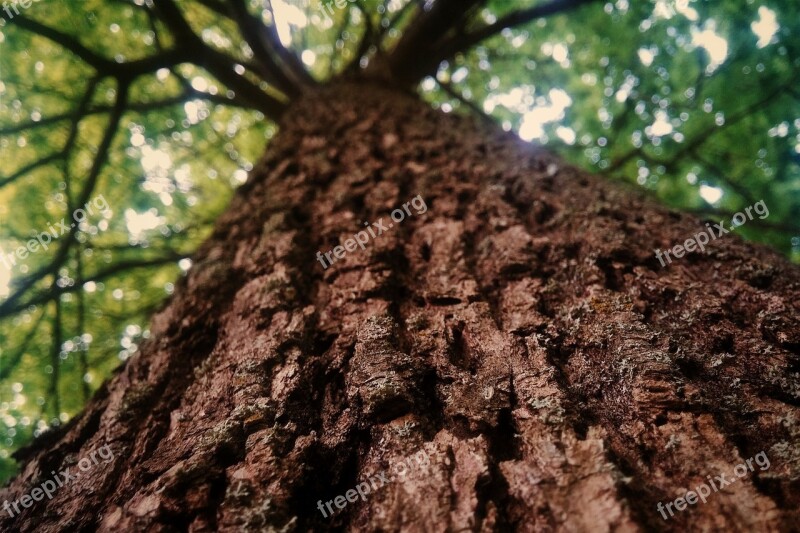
{"x": 640, "y": 91}
{"x": 649, "y": 105}
{"x": 171, "y": 170}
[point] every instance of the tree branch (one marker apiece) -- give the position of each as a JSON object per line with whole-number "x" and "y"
{"x": 412, "y": 59}
{"x": 83, "y": 357}
{"x": 140, "y": 107}
{"x": 288, "y": 57}
{"x": 449, "y": 89}
{"x": 701, "y": 138}
{"x": 397, "y": 18}
{"x": 122, "y": 71}
{"x": 61, "y": 254}
{"x": 77, "y": 115}
{"x": 255, "y": 33}
{"x": 53, "y": 292}
{"x": 100, "y": 63}
{"x": 17, "y": 357}
{"x": 720, "y": 174}
{"x": 30, "y": 167}
{"x": 511, "y": 20}
{"x": 367, "y": 39}
{"x": 55, "y": 362}
{"x": 219, "y": 64}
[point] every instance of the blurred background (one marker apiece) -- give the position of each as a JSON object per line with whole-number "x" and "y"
{"x": 697, "y": 103}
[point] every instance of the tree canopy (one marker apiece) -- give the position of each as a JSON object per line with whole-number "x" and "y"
{"x": 160, "y": 108}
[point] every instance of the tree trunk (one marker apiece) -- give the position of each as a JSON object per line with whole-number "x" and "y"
{"x": 518, "y": 341}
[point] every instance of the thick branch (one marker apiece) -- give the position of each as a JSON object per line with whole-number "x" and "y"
{"x": 256, "y": 36}
{"x": 141, "y": 107}
{"x": 367, "y": 39}
{"x": 219, "y": 64}
{"x": 517, "y": 18}
{"x": 286, "y": 56}
{"x": 54, "y": 292}
{"x": 411, "y": 60}
{"x": 122, "y": 71}
{"x": 105, "y": 144}
{"x": 97, "y": 61}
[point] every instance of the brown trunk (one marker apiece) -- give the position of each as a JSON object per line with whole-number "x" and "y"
{"x": 520, "y": 333}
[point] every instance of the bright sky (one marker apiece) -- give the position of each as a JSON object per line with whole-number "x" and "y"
{"x": 536, "y": 111}
{"x": 669, "y": 8}
{"x": 710, "y": 194}
{"x": 661, "y": 126}
{"x": 533, "y": 121}
{"x": 140, "y": 223}
{"x": 646, "y": 56}
{"x": 287, "y": 15}
{"x": 765, "y": 27}
{"x": 716, "y": 46}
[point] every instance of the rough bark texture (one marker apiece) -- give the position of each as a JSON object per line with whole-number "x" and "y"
{"x": 520, "y": 332}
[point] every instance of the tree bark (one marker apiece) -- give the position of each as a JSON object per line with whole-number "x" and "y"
{"x": 520, "y": 333}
